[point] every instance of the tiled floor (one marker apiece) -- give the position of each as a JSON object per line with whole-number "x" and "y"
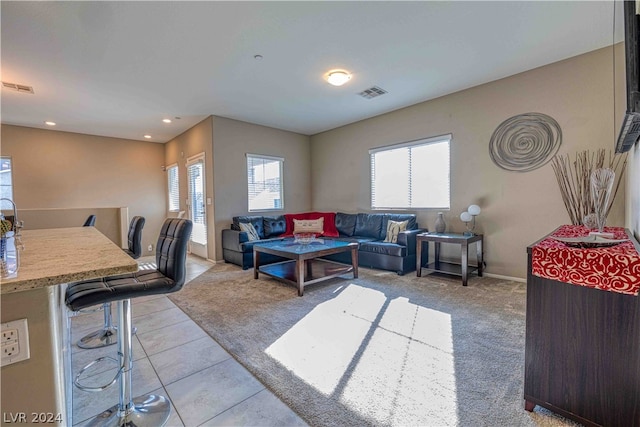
{"x": 175, "y": 358}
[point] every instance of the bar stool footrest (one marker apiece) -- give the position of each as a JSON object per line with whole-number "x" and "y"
{"x": 83, "y": 387}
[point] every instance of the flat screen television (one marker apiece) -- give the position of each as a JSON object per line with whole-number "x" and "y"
{"x": 630, "y": 131}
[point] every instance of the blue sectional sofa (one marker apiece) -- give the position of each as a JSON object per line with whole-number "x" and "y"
{"x": 367, "y": 229}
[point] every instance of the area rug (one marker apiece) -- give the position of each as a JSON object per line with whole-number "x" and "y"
{"x": 379, "y": 350}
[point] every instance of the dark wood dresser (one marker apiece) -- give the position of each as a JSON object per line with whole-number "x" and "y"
{"x": 582, "y": 352}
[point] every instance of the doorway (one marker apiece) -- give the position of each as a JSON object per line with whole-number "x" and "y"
{"x": 196, "y": 205}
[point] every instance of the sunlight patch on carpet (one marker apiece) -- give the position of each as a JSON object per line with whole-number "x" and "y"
{"x": 407, "y": 376}
{"x": 320, "y": 347}
{"x": 387, "y": 359}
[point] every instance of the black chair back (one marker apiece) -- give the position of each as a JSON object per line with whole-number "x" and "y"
{"x": 135, "y": 237}
{"x": 171, "y": 250}
{"x": 90, "y": 222}
{"x": 171, "y": 258}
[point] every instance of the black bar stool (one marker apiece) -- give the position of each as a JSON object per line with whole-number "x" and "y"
{"x": 171, "y": 251}
{"x": 107, "y": 334}
{"x": 90, "y": 222}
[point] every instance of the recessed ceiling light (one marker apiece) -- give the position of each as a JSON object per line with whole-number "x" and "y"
{"x": 148, "y": 136}
{"x": 166, "y": 120}
{"x": 338, "y": 77}
{"x": 50, "y": 123}
{"x": 18, "y": 87}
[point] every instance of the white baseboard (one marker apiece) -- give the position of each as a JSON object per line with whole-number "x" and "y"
{"x": 499, "y": 276}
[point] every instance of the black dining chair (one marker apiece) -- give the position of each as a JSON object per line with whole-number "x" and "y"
{"x": 107, "y": 334}
{"x": 134, "y": 237}
{"x": 169, "y": 276}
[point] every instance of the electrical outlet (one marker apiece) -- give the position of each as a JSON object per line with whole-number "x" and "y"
{"x": 9, "y": 335}
{"x": 15, "y": 342}
{"x": 10, "y": 349}
{"x": 150, "y": 248}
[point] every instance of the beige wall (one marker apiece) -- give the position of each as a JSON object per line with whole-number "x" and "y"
{"x": 194, "y": 141}
{"x": 108, "y": 220}
{"x": 53, "y": 169}
{"x": 517, "y": 208}
{"x": 232, "y": 139}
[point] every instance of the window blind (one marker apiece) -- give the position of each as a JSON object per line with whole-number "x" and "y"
{"x": 174, "y": 188}
{"x": 195, "y": 176}
{"x": 411, "y": 175}
{"x": 264, "y": 182}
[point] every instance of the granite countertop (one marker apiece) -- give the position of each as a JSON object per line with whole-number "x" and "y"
{"x": 64, "y": 255}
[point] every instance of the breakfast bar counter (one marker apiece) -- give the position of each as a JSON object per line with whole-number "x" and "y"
{"x": 37, "y": 388}
{"x": 64, "y": 255}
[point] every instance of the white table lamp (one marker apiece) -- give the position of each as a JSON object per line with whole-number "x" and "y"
{"x": 470, "y": 217}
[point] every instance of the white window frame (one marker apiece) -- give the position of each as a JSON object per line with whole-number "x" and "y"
{"x": 170, "y": 188}
{"x": 251, "y": 191}
{"x": 7, "y": 175}
{"x": 414, "y": 170}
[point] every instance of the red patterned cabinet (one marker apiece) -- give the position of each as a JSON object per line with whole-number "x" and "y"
{"x": 582, "y": 351}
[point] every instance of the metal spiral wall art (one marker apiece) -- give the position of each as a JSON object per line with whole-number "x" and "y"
{"x": 525, "y": 142}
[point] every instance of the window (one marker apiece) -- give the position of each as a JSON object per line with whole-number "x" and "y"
{"x": 411, "y": 175}
{"x": 174, "y": 188}
{"x": 6, "y": 180}
{"x": 264, "y": 177}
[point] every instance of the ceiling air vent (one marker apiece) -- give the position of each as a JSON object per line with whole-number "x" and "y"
{"x": 17, "y": 87}
{"x": 372, "y": 92}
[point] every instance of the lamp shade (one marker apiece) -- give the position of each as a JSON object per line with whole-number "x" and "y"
{"x": 474, "y": 210}
{"x": 465, "y": 217}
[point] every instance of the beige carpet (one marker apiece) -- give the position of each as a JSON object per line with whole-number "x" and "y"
{"x": 378, "y": 350}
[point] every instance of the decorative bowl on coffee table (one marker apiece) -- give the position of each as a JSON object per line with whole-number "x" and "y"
{"x": 304, "y": 238}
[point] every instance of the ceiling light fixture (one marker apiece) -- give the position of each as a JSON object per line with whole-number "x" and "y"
{"x": 338, "y": 77}
{"x": 50, "y": 123}
{"x": 148, "y": 136}
{"x": 166, "y": 120}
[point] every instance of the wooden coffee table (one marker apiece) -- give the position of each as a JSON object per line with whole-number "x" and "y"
{"x": 304, "y": 267}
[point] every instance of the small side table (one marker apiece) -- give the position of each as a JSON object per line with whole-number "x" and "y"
{"x": 446, "y": 267}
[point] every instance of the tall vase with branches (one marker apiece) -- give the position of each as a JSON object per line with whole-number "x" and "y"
{"x": 574, "y": 180}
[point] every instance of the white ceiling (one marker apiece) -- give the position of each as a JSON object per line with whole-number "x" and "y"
{"x": 118, "y": 68}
